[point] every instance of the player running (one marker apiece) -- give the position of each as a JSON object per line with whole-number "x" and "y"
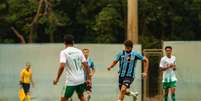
{"x": 127, "y": 61}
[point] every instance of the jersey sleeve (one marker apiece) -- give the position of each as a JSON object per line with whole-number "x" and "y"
{"x": 83, "y": 58}
{"x": 139, "y": 56}
{"x": 92, "y": 64}
{"x": 62, "y": 57}
{"x": 175, "y": 61}
{"x": 21, "y": 75}
{"x": 162, "y": 63}
{"x": 118, "y": 56}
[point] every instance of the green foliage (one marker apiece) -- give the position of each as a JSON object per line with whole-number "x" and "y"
{"x": 169, "y": 20}
{"x": 107, "y": 23}
{"x": 102, "y": 21}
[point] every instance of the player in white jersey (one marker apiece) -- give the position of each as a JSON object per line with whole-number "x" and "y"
{"x": 71, "y": 60}
{"x": 168, "y": 66}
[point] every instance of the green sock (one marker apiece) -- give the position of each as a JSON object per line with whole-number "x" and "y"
{"x": 173, "y": 97}
{"x": 166, "y": 97}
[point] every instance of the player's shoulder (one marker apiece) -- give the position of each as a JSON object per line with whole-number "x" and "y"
{"x": 70, "y": 49}
{"x": 135, "y": 52}
{"x": 121, "y": 52}
{"x": 90, "y": 59}
{"x": 62, "y": 51}
{"x": 23, "y": 70}
{"x": 173, "y": 57}
{"x": 164, "y": 58}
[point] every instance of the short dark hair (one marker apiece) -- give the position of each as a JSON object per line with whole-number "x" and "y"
{"x": 68, "y": 39}
{"x": 128, "y": 43}
{"x": 168, "y": 47}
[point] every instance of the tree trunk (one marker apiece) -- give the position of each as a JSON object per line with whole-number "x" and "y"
{"x": 18, "y": 35}
{"x": 35, "y": 21}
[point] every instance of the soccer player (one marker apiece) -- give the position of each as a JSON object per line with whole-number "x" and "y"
{"x": 92, "y": 70}
{"x": 168, "y": 66}
{"x": 25, "y": 80}
{"x": 127, "y": 61}
{"x": 72, "y": 59}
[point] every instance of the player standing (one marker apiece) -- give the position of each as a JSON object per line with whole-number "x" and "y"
{"x": 168, "y": 66}
{"x": 72, "y": 59}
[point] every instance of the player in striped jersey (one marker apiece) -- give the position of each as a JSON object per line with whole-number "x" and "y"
{"x": 127, "y": 61}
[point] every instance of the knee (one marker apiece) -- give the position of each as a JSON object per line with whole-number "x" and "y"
{"x": 173, "y": 90}
{"x": 81, "y": 96}
{"x": 63, "y": 99}
{"x": 123, "y": 90}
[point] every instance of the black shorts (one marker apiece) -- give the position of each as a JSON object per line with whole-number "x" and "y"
{"x": 26, "y": 87}
{"x": 127, "y": 81}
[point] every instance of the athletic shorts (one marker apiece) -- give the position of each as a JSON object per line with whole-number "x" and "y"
{"x": 127, "y": 81}
{"x": 167, "y": 85}
{"x": 68, "y": 91}
{"x": 26, "y": 87}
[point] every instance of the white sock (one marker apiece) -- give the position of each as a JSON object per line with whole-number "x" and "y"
{"x": 133, "y": 93}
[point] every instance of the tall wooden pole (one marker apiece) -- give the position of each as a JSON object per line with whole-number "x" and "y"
{"x": 132, "y": 33}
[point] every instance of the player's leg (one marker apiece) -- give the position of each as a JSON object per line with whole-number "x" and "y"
{"x": 166, "y": 94}
{"x": 21, "y": 92}
{"x": 132, "y": 94}
{"x": 67, "y": 93}
{"x": 166, "y": 91}
{"x": 26, "y": 88}
{"x": 80, "y": 89}
{"x": 120, "y": 87}
{"x": 173, "y": 91}
{"x": 88, "y": 92}
{"x": 88, "y": 95}
{"x": 122, "y": 92}
{"x": 28, "y": 93}
{"x": 28, "y": 96}
{"x": 62, "y": 98}
{"x": 127, "y": 82}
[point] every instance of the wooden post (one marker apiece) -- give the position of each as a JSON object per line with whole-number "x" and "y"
{"x": 132, "y": 33}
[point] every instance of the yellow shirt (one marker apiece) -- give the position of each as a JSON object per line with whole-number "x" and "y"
{"x": 25, "y": 76}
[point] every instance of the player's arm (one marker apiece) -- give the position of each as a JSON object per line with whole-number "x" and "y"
{"x": 21, "y": 78}
{"x": 145, "y": 62}
{"x": 93, "y": 72}
{"x": 163, "y": 66}
{"x": 87, "y": 69}
{"x": 112, "y": 65}
{"x": 60, "y": 71}
{"x": 173, "y": 66}
{"x": 61, "y": 67}
{"x": 93, "y": 69}
{"x": 117, "y": 58}
{"x": 146, "y": 66}
{"x": 31, "y": 79}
